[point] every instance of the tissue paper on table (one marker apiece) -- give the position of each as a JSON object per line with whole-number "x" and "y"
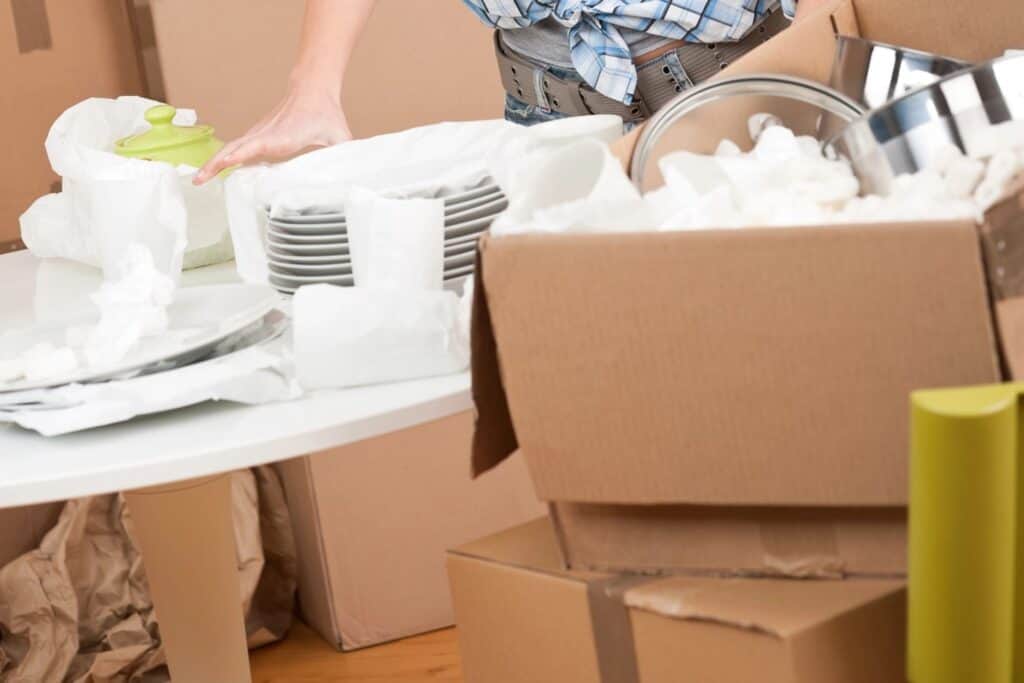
{"x": 108, "y": 202}
{"x": 395, "y": 243}
{"x": 448, "y": 156}
{"x": 351, "y": 336}
{"x": 253, "y": 375}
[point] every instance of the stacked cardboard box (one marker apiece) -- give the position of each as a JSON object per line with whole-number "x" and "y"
{"x": 524, "y": 619}
{"x": 52, "y": 55}
{"x": 726, "y": 408}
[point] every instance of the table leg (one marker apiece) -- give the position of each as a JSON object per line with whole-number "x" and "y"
{"x": 186, "y": 535}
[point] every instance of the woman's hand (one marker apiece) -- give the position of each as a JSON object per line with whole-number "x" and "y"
{"x": 306, "y": 118}
{"x": 311, "y": 114}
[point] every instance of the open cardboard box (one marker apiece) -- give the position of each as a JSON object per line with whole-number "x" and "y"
{"x": 736, "y": 401}
{"x": 524, "y": 619}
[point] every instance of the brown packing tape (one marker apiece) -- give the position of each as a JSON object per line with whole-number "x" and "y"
{"x": 613, "y": 631}
{"x": 1002, "y": 246}
{"x": 31, "y": 25}
{"x": 1002, "y": 242}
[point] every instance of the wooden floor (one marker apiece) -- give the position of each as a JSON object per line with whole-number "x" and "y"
{"x": 304, "y": 657}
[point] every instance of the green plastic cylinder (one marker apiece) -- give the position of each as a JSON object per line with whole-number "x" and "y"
{"x": 965, "y": 593}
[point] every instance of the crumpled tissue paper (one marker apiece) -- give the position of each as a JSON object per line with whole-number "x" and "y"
{"x": 395, "y": 243}
{"x": 132, "y": 302}
{"x": 353, "y": 336}
{"x": 570, "y": 186}
{"x": 784, "y": 180}
{"x": 108, "y": 202}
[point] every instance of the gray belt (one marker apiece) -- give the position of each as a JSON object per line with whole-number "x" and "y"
{"x": 657, "y": 82}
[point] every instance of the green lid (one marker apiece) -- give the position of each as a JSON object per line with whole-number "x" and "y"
{"x": 165, "y": 141}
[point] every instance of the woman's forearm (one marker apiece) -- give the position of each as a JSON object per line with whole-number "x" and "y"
{"x": 330, "y": 30}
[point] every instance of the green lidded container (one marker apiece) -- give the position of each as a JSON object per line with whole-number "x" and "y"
{"x": 164, "y": 141}
{"x": 194, "y": 146}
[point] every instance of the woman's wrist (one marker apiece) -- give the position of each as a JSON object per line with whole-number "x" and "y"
{"x": 315, "y": 82}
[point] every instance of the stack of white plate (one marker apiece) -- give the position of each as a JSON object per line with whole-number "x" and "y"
{"x": 310, "y": 248}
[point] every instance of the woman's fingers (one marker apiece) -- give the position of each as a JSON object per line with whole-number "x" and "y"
{"x": 301, "y": 122}
{"x": 219, "y": 162}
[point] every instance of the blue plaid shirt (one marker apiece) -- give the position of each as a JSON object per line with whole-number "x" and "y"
{"x": 599, "y": 52}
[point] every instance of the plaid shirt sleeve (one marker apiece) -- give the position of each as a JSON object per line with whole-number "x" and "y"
{"x": 599, "y": 52}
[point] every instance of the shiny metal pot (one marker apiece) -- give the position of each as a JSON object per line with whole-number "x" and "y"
{"x": 978, "y": 110}
{"x": 873, "y": 73}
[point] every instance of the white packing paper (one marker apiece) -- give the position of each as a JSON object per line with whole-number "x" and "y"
{"x": 570, "y": 186}
{"x": 395, "y": 243}
{"x": 108, "y": 202}
{"x": 785, "y": 180}
{"x": 351, "y": 336}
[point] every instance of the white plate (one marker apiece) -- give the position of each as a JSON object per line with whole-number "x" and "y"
{"x": 199, "y": 319}
{"x": 339, "y": 216}
{"x": 459, "y": 249}
{"x": 474, "y": 193}
{"x": 468, "y": 229}
{"x": 463, "y": 205}
{"x": 464, "y": 241}
{"x": 455, "y": 260}
{"x": 312, "y": 232}
{"x": 289, "y": 260}
{"x": 491, "y": 209}
{"x": 299, "y": 280}
{"x": 293, "y": 250}
{"x": 458, "y": 272}
{"x": 308, "y": 228}
{"x": 286, "y": 269}
{"x": 285, "y": 238}
{"x": 459, "y": 261}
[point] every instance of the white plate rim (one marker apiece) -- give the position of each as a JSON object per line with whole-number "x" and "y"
{"x": 225, "y": 328}
{"x": 339, "y": 216}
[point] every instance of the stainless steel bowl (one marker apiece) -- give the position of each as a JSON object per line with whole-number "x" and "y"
{"x": 970, "y": 109}
{"x": 787, "y": 87}
{"x": 874, "y": 73}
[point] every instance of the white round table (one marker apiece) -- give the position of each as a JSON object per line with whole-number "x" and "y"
{"x": 172, "y": 468}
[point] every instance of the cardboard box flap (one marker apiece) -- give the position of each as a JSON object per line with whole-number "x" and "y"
{"x": 494, "y": 438}
{"x": 782, "y": 608}
{"x": 624, "y": 365}
{"x": 532, "y": 544}
{"x": 975, "y": 31}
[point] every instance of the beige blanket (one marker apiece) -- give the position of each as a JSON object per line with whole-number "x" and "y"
{"x": 78, "y": 608}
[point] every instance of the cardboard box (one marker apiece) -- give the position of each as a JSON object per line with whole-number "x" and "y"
{"x": 404, "y": 73}
{"x": 735, "y": 401}
{"x": 22, "y": 528}
{"x": 523, "y": 619}
{"x": 52, "y": 55}
{"x": 372, "y": 522}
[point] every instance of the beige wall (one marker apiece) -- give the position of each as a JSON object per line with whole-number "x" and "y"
{"x": 419, "y": 61}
